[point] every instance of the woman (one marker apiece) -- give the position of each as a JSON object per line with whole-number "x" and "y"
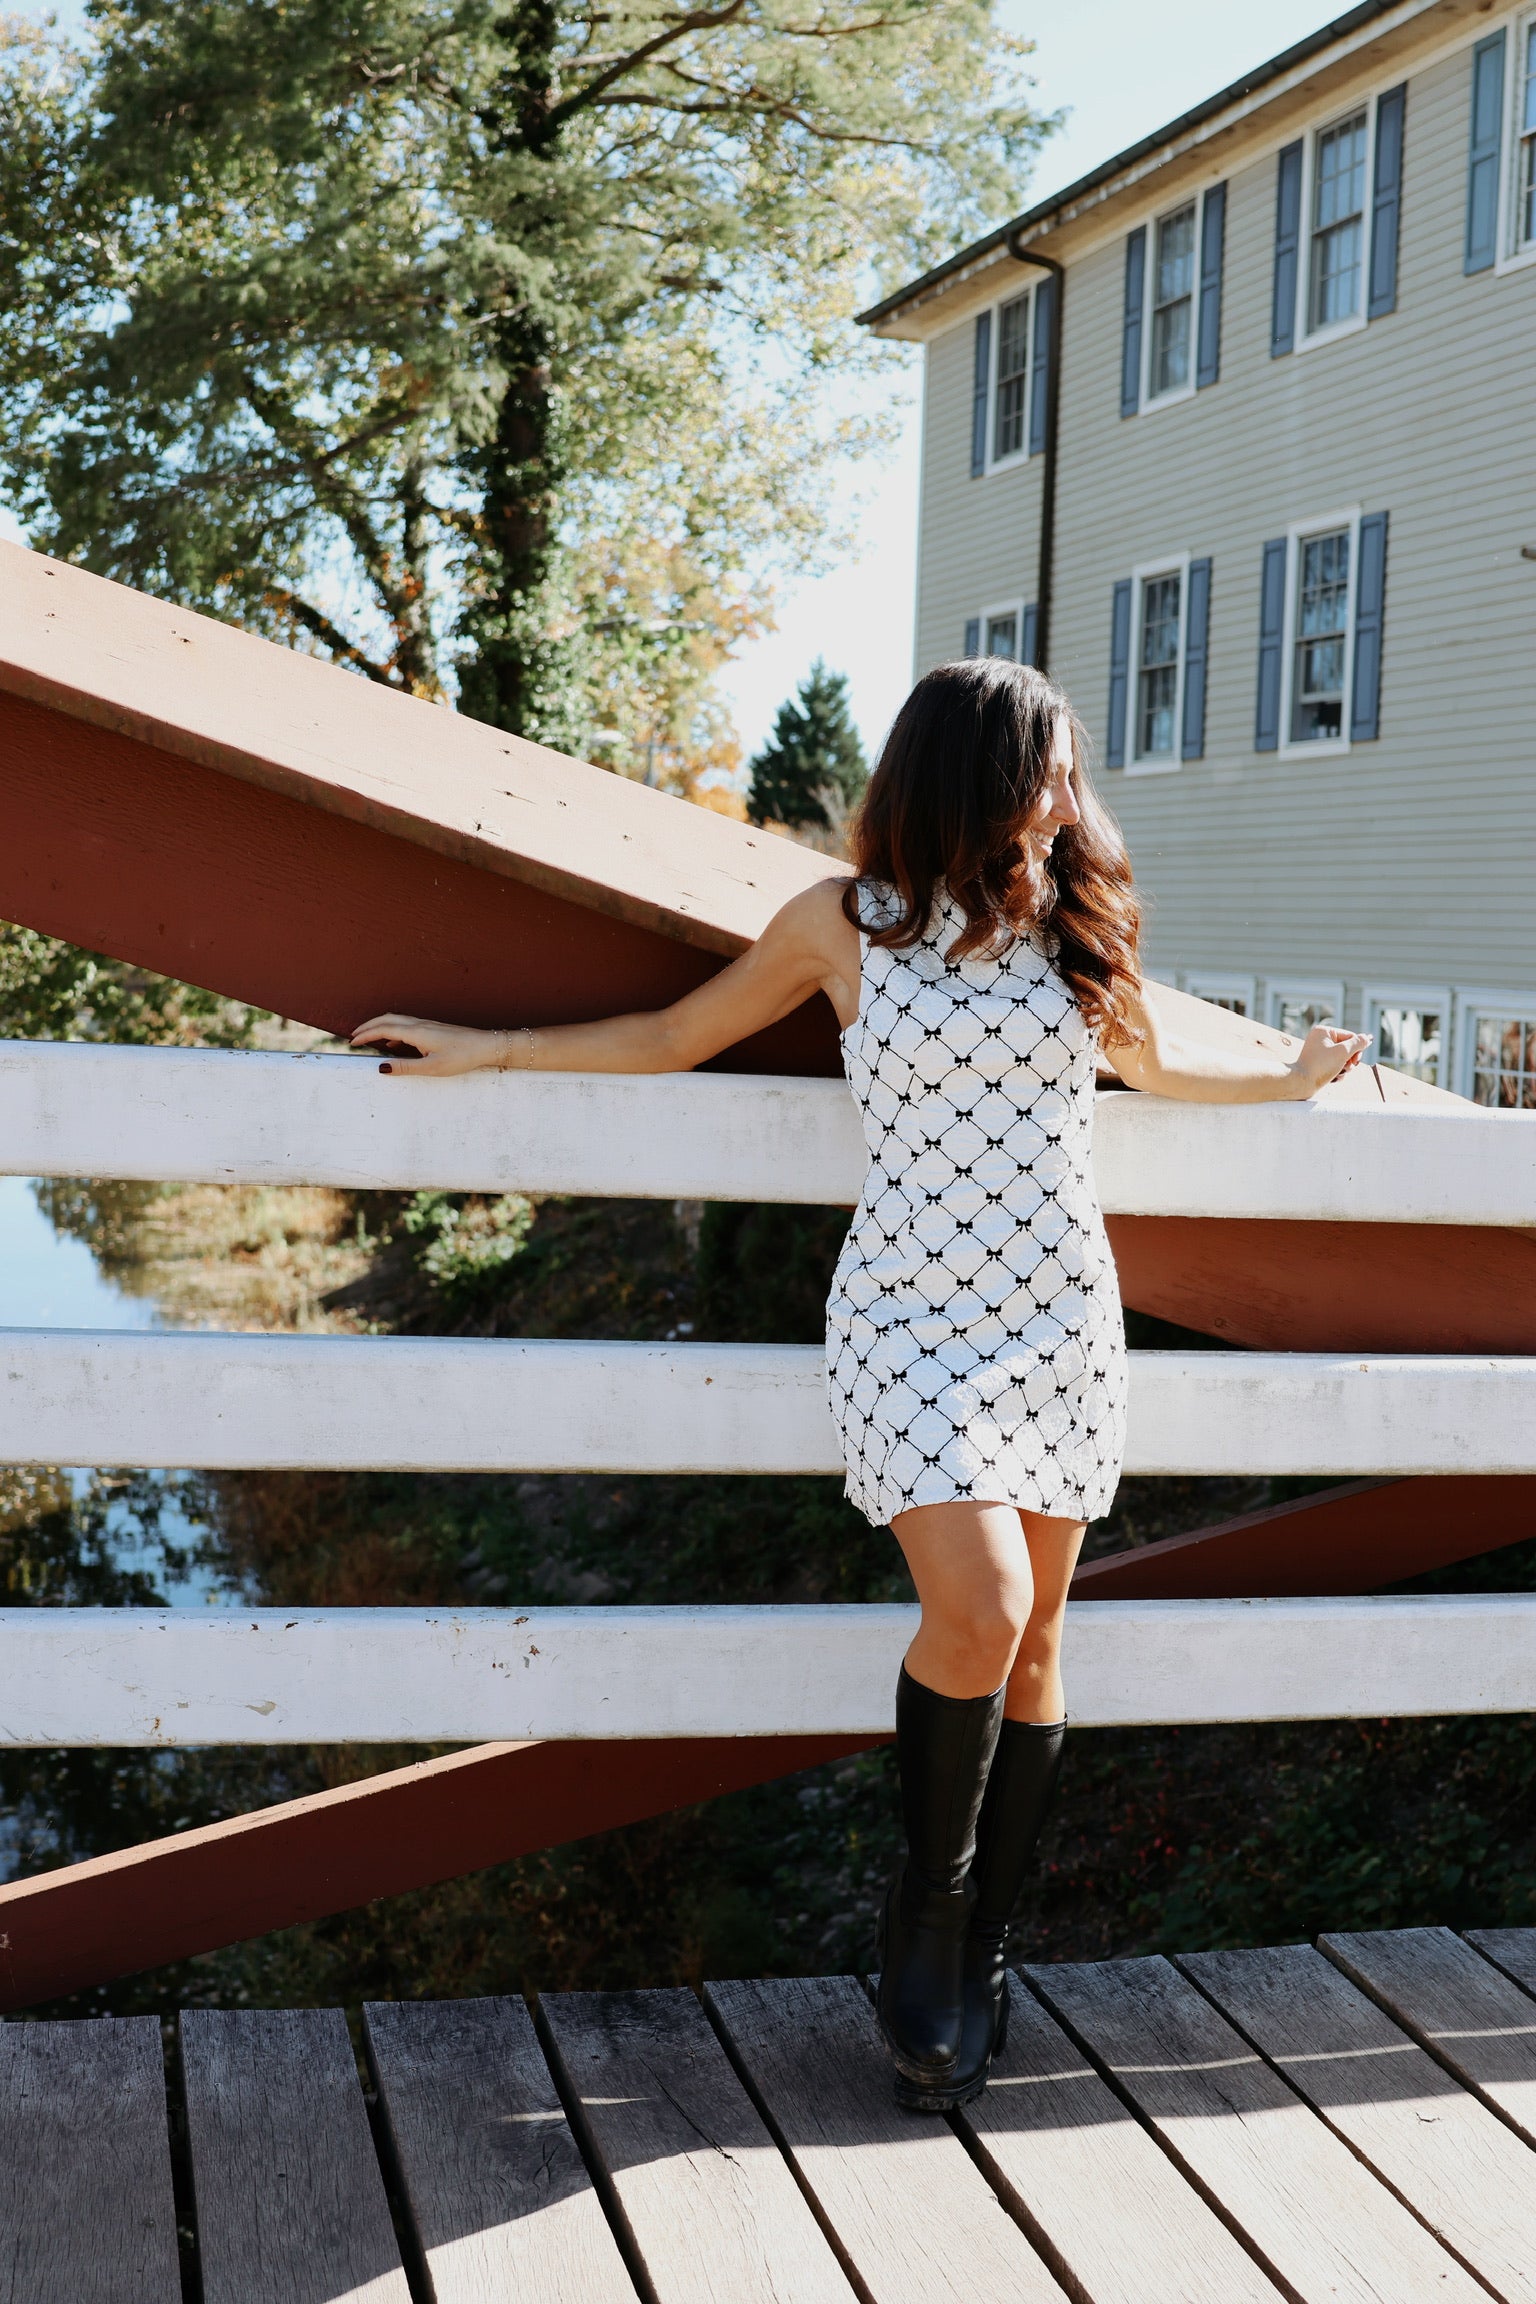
{"x": 980, "y": 961}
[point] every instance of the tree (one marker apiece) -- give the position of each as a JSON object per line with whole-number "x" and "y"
{"x": 466, "y": 341}
{"x": 813, "y": 769}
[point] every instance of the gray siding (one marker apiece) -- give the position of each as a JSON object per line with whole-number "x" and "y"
{"x": 980, "y": 539}
{"x": 1412, "y": 858}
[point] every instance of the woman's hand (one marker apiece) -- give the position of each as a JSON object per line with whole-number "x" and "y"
{"x": 1326, "y": 1052}
{"x": 413, "y": 1044}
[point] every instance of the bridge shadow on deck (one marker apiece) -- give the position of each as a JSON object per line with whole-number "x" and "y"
{"x": 1355, "y": 2118}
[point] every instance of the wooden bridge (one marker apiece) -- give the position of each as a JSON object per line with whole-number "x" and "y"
{"x": 1347, "y": 2122}
{"x": 1351, "y": 2121}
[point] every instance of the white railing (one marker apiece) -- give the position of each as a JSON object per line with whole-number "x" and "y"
{"x": 144, "y": 1676}
{"x": 200, "y": 1116}
{"x": 444, "y": 1404}
{"x": 275, "y": 1676}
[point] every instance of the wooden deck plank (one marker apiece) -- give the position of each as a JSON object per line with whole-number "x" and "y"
{"x": 86, "y": 2209}
{"x": 710, "y": 2207}
{"x": 499, "y": 2197}
{"x": 1467, "y": 2012}
{"x": 1512, "y": 1949}
{"x": 1326, "y": 2227}
{"x": 291, "y": 2207}
{"x": 913, "y": 2214}
{"x": 1091, "y": 2185}
{"x": 1453, "y": 2160}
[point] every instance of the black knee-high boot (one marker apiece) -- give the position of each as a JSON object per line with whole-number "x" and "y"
{"x": 1026, "y": 1769}
{"x": 944, "y": 1749}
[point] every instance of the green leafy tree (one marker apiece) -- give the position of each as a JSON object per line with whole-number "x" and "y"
{"x": 467, "y": 343}
{"x": 50, "y": 990}
{"x": 813, "y": 770}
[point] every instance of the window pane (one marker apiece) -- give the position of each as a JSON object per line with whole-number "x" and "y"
{"x": 1528, "y": 109}
{"x": 1173, "y": 285}
{"x": 1322, "y": 628}
{"x": 1012, "y": 377}
{"x": 1504, "y": 1056}
{"x": 1158, "y": 669}
{"x": 1338, "y": 228}
{"x": 1003, "y": 636}
{"x": 1409, "y": 1040}
{"x": 1298, "y": 1015}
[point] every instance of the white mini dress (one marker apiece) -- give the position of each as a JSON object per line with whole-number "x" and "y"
{"x": 975, "y": 1344}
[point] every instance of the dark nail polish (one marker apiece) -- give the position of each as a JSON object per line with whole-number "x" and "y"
{"x": 384, "y": 1067}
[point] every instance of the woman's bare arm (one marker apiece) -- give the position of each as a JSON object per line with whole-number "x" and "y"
{"x": 807, "y": 947}
{"x": 1168, "y": 1063}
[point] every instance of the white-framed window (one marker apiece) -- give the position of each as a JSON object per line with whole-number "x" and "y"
{"x": 1411, "y": 1027}
{"x": 1159, "y": 620}
{"x": 1237, "y": 994}
{"x": 1296, "y": 1006}
{"x": 1334, "y": 259}
{"x": 1000, "y": 630}
{"x": 1496, "y": 1049}
{"x": 1317, "y": 660}
{"x": 1171, "y": 290}
{"x": 1008, "y": 381}
{"x": 1517, "y": 191}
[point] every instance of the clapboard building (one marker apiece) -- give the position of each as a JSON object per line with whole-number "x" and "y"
{"x": 1235, "y": 434}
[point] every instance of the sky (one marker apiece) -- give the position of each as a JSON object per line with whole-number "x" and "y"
{"x": 1120, "y": 69}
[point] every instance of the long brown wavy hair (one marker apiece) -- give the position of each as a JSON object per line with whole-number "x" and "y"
{"x": 963, "y": 769}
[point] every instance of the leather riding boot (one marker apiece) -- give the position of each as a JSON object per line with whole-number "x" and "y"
{"x": 944, "y": 1749}
{"x": 1025, "y": 1772}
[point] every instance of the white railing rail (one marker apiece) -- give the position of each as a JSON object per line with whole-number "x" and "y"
{"x": 444, "y": 1404}
{"x": 196, "y": 1115}
{"x": 274, "y": 1676}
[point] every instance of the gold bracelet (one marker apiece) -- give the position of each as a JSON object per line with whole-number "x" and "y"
{"x": 506, "y": 1049}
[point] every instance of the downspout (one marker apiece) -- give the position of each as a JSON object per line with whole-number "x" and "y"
{"x": 1045, "y": 580}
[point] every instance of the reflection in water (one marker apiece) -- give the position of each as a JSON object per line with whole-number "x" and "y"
{"x": 48, "y": 1280}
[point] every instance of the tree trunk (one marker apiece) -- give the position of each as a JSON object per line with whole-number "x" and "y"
{"x": 515, "y": 677}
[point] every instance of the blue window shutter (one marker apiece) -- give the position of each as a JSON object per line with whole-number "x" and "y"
{"x": 1197, "y": 642}
{"x": 1029, "y": 648}
{"x": 1130, "y": 343}
{"x": 1119, "y": 674}
{"x": 1370, "y": 616}
{"x": 1213, "y": 237}
{"x": 1266, "y": 734}
{"x": 981, "y": 378}
{"x": 1387, "y": 201}
{"x": 1282, "y": 326}
{"x": 973, "y": 636}
{"x": 1041, "y": 346}
{"x": 1485, "y": 155}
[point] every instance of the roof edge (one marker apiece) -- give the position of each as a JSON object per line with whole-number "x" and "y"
{"x": 1315, "y": 44}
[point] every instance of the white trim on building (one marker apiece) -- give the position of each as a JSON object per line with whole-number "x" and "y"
{"x": 1237, "y": 993}
{"x": 1140, "y": 759}
{"x": 1422, "y": 1048}
{"x": 1300, "y": 534}
{"x": 1477, "y": 1006}
{"x": 1285, "y": 996}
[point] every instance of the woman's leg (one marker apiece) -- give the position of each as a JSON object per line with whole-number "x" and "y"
{"x": 1035, "y": 1691}
{"x": 971, "y": 1567}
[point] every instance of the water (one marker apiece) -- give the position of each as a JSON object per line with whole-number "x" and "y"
{"x": 49, "y": 1280}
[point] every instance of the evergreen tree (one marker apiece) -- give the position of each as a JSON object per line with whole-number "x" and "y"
{"x": 813, "y": 769}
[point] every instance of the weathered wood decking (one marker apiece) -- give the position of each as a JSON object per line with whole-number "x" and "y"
{"x": 1352, "y": 2122}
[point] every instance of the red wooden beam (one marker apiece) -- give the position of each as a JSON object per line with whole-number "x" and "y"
{"x": 168, "y": 1899}
{"x": 1333, "y": 1287}
{"x": 1351, "y": 1539}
